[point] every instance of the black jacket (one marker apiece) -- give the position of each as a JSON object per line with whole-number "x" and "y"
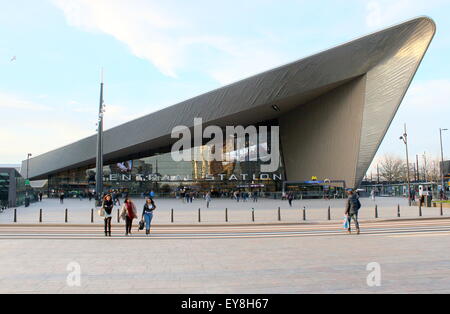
{"x": 148, "y": 209}
{"x": 108, "y": 206}
{"x": 353, "y": 205}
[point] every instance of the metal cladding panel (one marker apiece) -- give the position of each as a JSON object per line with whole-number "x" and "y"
{"x": 321, "y": 139}
{"x": 247, "y": 101}
{"x": 386, "y": 87}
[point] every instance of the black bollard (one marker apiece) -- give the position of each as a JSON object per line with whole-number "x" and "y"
{"x": 420, "y": 210}
{"x": 398, "y": 211}
{"x": 226, "y": 214}
{"x": 199, "y": 216}
{"x": 92, "y": 216}
{"x": 171, "y": 215}
{"x": 442, "y": 210}
{"x": 304, "y": 213}
{"x": 376, "y": 211}
{"x": 40, "y": 215}
{"x": 253, "y": 214}
{"x": 15, "y": 215}
{"x": 118, "y": 215}
{"x": 279, "y": 214}
{"x": 66, "y": 218}
{"x": 329, "y": 213}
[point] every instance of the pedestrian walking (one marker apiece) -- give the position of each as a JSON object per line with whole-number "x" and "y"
{"x": 116, "y": 198}
{"x": 413, "y": 195}
{"x": 40, "y": 196}
{"x": 108, "y": 206}
{"x": 372, "y": 194}
{"x": 237, "y": 196}
{"x": 352, "y": 209}
{"x": 128, "y": 214}
{"x": 255, "y": 197}
{"x": 208, "y": 199}
{"x": 147, "y": 214}
{"x": 183, "y": 195}
{"x": 61, "y": 198}
{"x": 290, "y": 198}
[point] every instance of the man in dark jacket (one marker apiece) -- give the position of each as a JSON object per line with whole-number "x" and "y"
{"x": 352, "y": 210}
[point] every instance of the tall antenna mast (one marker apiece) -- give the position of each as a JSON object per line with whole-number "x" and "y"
{"x": 99, "y": 160}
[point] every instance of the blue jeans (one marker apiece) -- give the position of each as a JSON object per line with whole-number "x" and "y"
{"x": 148, "y": 220}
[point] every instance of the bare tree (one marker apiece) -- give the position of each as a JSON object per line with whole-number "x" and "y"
{"x": 392, "y": 169}
{"x": 435, "y": 170}
{"x": 431, "y": 171}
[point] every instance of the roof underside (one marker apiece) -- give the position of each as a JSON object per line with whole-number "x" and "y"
{"x": 250, "y": 101}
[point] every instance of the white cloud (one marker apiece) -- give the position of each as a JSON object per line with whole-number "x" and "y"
{"x": 145, "y": 28}
{"x": 116, "y": 115}
{"x": 430, "y": 95}
{"x": 374, "y": 17}
{"x": 36, "y": 128}
{"x": 154, "y": 31}
{"x": 8, "y": 101}
{"x": 424, "y": 111}
{"x": 38, "y": 135}
{"x": 245, "y": 64}
{"x": 384, "y": 12}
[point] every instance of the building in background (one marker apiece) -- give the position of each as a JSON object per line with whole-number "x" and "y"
{"x": 446, "y": 168}
{"x": 12, "y": 187}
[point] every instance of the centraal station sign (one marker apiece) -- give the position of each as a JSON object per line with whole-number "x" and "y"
{"x": 220, "y": 177}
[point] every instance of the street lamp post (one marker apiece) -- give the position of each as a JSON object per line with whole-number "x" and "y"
{"x": 99, "y": 161}
{"x": 405, "y": 140}
{"x": 28, "y": 164}
{"x": 442, "y": 163}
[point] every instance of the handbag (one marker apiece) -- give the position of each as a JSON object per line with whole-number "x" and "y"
{"x": 101, "y": 212}
{"x": 141, "y": 225}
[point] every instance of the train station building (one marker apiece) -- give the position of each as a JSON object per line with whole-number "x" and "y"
{"x": 331, "y": 111}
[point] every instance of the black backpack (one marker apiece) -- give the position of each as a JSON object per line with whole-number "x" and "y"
{"x": 356, "y": 204}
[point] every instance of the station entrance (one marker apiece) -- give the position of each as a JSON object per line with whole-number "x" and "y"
{"x": 327, "y": 189}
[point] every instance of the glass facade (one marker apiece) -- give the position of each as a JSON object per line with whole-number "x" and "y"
{"x": 23, "y": 190}
{"x": 4, "y": 188}
{"x": 238, "y": 169}
{"x": 13, "y": 190}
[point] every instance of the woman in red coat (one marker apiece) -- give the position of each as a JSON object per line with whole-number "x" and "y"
{"x": 128, "y": 214}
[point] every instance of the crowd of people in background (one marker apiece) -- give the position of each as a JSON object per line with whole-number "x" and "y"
{"x": 129, "y": 212}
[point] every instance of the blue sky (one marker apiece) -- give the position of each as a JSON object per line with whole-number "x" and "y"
{"x": 157, "y": 53}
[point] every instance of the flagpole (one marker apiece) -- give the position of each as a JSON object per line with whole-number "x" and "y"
{"x": 99, "y": 160}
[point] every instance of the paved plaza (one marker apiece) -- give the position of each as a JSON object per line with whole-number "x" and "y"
{"x": 266, "y": 211}
{"x": 413, "y": 258}
{"x": 267, "y": 256}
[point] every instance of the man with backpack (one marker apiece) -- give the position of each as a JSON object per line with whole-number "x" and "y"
{"x": 352, "y": 210}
